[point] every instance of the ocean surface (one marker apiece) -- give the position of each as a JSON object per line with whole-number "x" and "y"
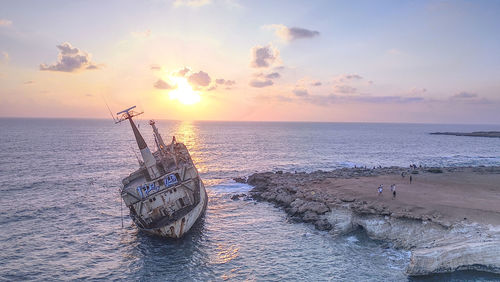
{"x": 61, "y": 211}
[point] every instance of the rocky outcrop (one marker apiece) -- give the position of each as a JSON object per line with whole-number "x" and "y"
{"x": 471, "y": 134}
{"x": 468, "y": 255}
{"x": 437, "y": 245}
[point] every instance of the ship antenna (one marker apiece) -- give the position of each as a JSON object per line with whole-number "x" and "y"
{"x": 135, "y": 154}
{"x": 121, "y": 208}
{"x": 112, "y": 116}
{"x": 147, "y": 156}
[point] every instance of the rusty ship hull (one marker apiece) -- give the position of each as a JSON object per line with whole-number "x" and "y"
{"x": 167, "y": 210}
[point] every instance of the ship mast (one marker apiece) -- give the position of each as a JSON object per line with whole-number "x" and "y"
{"x": 147, "y": 156}
{"x": 159, "y": 141}
{"x": 161, "y": 145}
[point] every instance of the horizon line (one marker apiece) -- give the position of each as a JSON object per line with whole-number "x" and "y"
{"x": 261, "y": 121}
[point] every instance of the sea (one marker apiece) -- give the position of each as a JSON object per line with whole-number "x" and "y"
{"x": 62, "y": 217}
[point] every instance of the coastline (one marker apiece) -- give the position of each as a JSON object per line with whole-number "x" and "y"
{"x": 491, "y": 134}
{"x": 449, "y": 218}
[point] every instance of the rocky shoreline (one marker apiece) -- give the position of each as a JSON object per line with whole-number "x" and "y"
{"x": 439, "y": 241}
{"x": 471, "y": 134}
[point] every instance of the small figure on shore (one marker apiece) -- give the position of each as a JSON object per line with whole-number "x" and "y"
{"x": 393, "y": 190}
{"x": 410, "y": 179}
{"x": 380, "y": 189}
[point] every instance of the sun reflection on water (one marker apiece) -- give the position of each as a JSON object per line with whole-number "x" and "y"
{"x": 225, "y": 254}
{"x": 188, "y": 133}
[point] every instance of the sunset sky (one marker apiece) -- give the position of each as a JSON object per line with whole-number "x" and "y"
{"x": 341, "y": 61}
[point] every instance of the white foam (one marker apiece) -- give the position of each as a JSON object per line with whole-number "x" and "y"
{"x": 231, "y": 187}
{"x": 352, "y": 239}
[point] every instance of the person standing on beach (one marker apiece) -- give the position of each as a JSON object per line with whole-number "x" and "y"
{"x": 393, "y": 190}
{"x": 380, "y": 189}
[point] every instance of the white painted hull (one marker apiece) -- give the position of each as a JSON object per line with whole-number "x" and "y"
{"x": 180, "y": 227}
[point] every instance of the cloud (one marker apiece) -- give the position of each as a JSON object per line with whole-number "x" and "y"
{"x": 316, "y": 83}
{"x": 155, "y": 67}
{"x": 5, "y": 22}
{"x": 300, "y": 92}
{"x": 161, "y": 84}
{"x": 264, "y": 56}
{"x": 200, "y": 78}
{"x": 260, "y": 83}
{"x": 464, "y": 95}
{"x": 182, "y": 72}
{"x": 29, "y": 82}
{"x": 365, "y": 99}
{"x": 191, "y": 3}
{"x": 5, "y": 57}
{"x": 344, "y": 89}
{"x": 70, "y": 59}
{"x": 261, "y": 80}
{"x": 223, "y": 81}
{"x": 273, "y": 75}
{"x": 348, "y": 77}
{"x": 292, "y": 33}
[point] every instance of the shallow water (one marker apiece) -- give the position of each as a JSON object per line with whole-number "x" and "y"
{"x": 61, "y": 218}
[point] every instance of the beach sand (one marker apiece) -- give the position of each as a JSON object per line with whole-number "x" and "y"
{"x": 449, "y": 196}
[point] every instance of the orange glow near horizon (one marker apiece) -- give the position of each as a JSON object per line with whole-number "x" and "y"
{"x": 183, "y": 91}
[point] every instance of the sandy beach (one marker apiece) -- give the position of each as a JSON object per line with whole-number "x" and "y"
{"x": 463, "y": 194}
{"x": 449, "y": 218}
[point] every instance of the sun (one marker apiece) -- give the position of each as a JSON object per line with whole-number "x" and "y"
{"x": 183, "y": 92}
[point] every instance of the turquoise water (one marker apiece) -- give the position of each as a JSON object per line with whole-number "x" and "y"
{"x": 60, "y": 218}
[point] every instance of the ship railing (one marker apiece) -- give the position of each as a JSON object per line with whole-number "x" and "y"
{"x": 151, "y": 188}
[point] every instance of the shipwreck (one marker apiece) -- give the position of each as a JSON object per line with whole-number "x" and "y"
{"x": 166, "y": 195}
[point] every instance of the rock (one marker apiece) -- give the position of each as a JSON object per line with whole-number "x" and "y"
{"x": 340, "y": 220}
{"x": 458, "y": 256}
{"x": 310, "y": 216}
{"x": 284, "y": 199}
{"x": 348, "y": 199}
{"x": 237, "y": 196}
{"x": 322, "y": 224}
{"x": 297, "y": 203}
{"x": 291, "y": 211}
{"x": 270, "y": 196}
{"x": 240, "y": 180}
{"x": 316, "y": 207}
{"x": 260, "y": 181}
